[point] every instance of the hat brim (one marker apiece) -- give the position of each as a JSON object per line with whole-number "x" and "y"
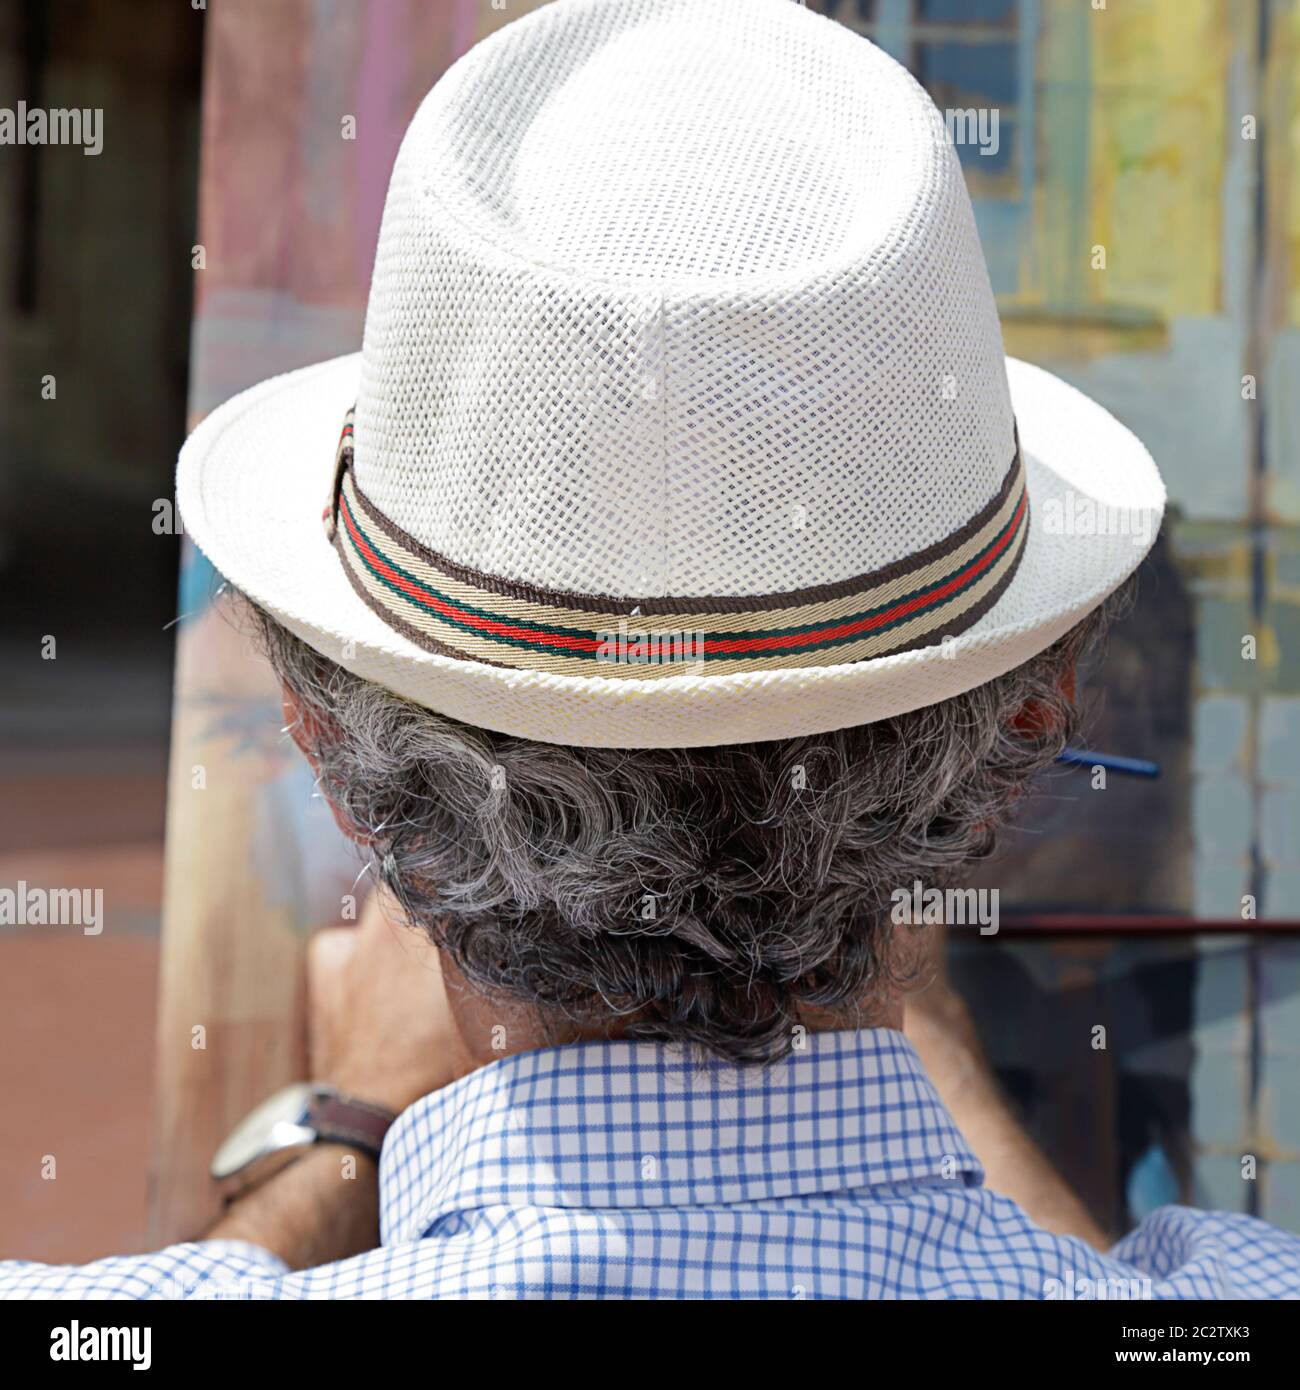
{"x": 254, "y": 477}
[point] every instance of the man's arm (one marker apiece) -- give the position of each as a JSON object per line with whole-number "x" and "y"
{"x": 941, "y": 1030}
{"x": 321, "y": 1208}
{"x": 380, "y": 1031}
{"x": 308, "y": 1214}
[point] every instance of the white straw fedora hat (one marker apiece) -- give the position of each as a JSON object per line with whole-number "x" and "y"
{"x": 682, "y": 415}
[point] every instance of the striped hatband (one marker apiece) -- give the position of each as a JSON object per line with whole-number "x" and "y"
{"x": 444, "y": 607}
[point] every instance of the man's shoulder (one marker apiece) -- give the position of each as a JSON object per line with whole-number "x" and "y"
{"x": 930, "y": 1242}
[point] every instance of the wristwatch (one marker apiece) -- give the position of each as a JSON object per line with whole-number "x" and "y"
{"x": 287, "y": 1124}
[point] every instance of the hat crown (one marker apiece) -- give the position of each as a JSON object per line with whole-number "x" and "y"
{"x": 679, "y": 297}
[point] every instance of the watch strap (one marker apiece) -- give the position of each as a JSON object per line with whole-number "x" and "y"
{"x": 340, "y": 1119}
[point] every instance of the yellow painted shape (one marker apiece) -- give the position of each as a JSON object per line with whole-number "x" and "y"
{"x": 1156, "y": 153}
{"x": 1283, "y": 146}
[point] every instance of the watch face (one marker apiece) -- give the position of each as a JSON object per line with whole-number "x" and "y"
{"x": 278, "y": 1123}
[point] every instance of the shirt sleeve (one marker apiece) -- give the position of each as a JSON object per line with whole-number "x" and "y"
{"x": 1212, "y": 1254}
{"x": 205, "y": 1269}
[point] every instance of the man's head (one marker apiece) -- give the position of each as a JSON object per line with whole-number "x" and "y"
{"x": 711, "y": 442}
{"x": 714, "y": 896}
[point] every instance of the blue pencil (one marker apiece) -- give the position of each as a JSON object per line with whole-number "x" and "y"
{"x": 1135, "y": 767}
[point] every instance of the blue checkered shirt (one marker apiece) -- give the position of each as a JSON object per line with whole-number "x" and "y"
{"x": 620, "y": 1170}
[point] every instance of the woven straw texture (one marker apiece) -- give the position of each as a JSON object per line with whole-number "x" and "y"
{"x": 666, "y": 299}
{"x": 673, "y": 297}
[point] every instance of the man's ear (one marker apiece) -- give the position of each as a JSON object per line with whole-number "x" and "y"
{"x": 299, "y": 724}
{"x": 304, "y": 728}
{"x": 1034, "y": 717}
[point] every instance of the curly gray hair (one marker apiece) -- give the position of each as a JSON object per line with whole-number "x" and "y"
{"x": 708, "y": 896}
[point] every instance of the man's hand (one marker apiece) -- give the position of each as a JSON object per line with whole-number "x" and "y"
{"x": 380, "y": 1031}
{"x": 379, "y": 1025}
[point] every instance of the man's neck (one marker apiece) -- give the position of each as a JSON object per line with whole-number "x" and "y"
{"x": 491, "y": 1029}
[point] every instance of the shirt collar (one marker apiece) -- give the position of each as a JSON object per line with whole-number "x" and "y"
{"x": 626, "y": 1124}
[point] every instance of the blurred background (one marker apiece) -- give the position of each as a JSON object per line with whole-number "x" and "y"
{"x": 226, "y": 232}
